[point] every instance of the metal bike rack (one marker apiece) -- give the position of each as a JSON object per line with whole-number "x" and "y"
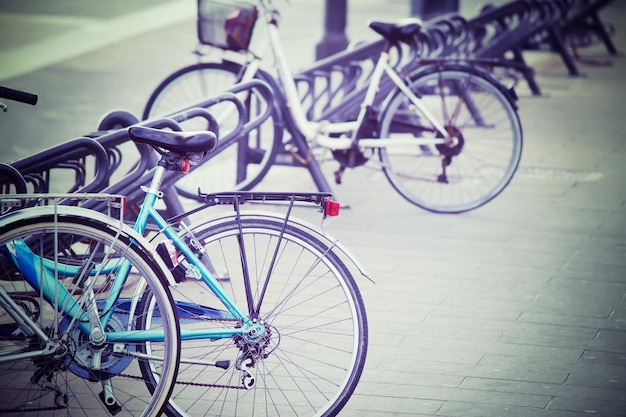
{"x": 332, "y": 89}
{"x": 102, "y": 147}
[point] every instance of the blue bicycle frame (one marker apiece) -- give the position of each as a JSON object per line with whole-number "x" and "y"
{"x": 148, "y": 212}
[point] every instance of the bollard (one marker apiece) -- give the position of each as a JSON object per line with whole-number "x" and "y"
{"x": 428, "y": 9}
{"x": 334, "y": 38}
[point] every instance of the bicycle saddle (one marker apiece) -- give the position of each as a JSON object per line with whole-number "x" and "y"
{"x": 181, "y": 142}
{"x": 399, "y": 31}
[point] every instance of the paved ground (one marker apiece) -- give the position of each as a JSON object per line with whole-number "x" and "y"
{"x": 516, "y": 309}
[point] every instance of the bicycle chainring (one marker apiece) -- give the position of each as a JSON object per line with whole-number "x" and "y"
{"x": 81, "y": 353}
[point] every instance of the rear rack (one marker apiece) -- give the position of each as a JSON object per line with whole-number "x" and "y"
{"x": 241, "y": 197}
{"x": 236, "y": 198}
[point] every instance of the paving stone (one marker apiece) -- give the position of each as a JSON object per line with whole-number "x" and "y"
{"x": 589, "y": 406}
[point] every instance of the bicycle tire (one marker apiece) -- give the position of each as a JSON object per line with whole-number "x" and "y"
{"x": 220, "y": 169}
{"x": 319, "y": 313}
{"x": 65, "y": 382}
{"x": 488, "y": 147}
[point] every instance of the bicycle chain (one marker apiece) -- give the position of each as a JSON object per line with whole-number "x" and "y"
{"x": 29, "y": 410}
{"x": 195, "y": 384}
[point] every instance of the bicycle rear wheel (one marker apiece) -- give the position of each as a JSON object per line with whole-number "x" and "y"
{"x": 243, "y": 163}
{"x": 311, "y": 357}
{"x": 77, "y": 376}
{"x": 484, "y": 156}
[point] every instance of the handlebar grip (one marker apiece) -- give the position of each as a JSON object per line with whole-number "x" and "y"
{"x": 17, "y": 95}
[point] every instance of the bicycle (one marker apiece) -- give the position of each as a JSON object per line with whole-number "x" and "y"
{"x": 447, "y": 134}
{"x": 74, "y": 290}
{"x": 307, "y": 297}
{"x": 74, "y": 287}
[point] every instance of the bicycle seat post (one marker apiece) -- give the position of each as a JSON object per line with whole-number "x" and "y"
{"x": 157, "y": 179}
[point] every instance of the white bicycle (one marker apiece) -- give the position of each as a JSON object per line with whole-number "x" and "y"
{"x": 446, "y": 134}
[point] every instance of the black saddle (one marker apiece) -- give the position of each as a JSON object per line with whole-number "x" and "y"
{"x": 400, "y": 31}
{"x": 180, "y": 142}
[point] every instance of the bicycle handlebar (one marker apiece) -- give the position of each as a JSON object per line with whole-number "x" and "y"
{"x": 17, "y": 95}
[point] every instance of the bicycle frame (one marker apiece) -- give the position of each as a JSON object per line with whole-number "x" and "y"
{"x": 320, "y": 133}
{"x": 147, "y": 213}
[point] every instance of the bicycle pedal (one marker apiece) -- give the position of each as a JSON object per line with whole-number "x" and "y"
{"x": 113, "y": 408}
{"x": 339, "y": 174}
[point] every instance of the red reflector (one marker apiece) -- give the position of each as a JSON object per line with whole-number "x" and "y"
{"x": 124, "y": 206}
{"x": 184, "y": 166}
{"x": 332, "y": 208}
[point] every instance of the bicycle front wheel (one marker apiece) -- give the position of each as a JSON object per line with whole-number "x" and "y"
{"x": 57, "y": 276}
{"x": 483, "y": 156}
{"x": 238, "y": 165}
{"x": 309, "y": 360}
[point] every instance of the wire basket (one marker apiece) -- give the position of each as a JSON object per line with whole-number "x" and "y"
{"x": 226, "y": 25}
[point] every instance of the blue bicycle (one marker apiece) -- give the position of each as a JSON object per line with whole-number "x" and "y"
{"x": 74, "y": 291}
{"x": 78, "y": 290}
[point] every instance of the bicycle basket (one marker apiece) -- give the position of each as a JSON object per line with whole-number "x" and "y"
{"x": 226, "y": 25}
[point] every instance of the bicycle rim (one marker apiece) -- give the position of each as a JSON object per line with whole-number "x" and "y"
{"x": 68, "y": 381}
{"x": 310, "y": 359}
{"x": 481, "y": 162}
{"x": 244, "y": 162}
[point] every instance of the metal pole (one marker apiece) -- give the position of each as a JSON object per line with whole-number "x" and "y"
{"x": 334, "y": 39}
{"x": 428, "y": 9}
